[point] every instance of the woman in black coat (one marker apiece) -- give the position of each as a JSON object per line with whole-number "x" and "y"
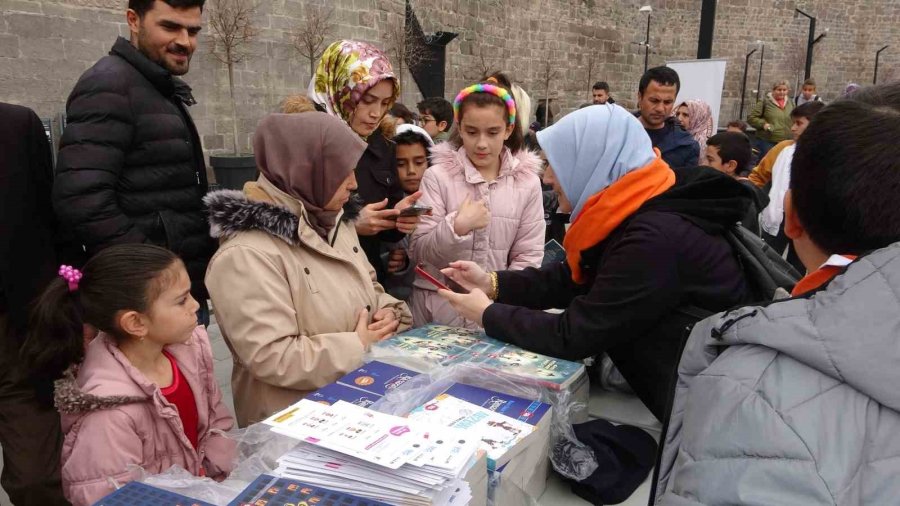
{"x": 355, "y": 82}
{"x": 646, "y": 257}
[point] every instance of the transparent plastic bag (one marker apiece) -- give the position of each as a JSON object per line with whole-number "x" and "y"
{"x": 575, "y": 462}
{"x": 258, "y": 449}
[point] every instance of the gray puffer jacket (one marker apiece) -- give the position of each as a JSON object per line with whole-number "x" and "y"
{"x": 794, "y": 403}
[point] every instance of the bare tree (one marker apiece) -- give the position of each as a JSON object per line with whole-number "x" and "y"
{"x": 590, "y": 75}
{"x": 549, "y": 76}
{"x": 232, "y": 31}
{"x": 482, "y": 67}
{"x": 401, "y": 45}
{"x": 795, "y": 59}
{"x": 312, "y": 33}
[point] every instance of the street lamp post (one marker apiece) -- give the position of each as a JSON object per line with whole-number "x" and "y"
{"x": 744, "y": 81}
{"x": 648, "y": 9}
{"x": 877, "y": 56}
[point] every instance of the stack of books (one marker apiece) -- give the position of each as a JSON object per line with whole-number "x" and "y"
{"x": 431, "y": 345}
{"x": 373, "y": 455}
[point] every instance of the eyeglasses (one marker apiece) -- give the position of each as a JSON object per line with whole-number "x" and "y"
{"x": 427, "y": 119}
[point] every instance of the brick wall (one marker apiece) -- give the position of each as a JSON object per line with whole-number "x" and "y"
{"x": 46, "y": 44}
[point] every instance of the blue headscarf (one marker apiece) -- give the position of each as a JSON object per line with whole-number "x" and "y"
{"x": 592, "y": 148}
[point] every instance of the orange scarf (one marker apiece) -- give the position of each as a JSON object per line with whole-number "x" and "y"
{"x": 608, "y": 208}
{"x": 818, "y": 278}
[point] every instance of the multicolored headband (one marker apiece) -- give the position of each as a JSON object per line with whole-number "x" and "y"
{"x": 486, "y": 88}
{"x": 71, "y": 275}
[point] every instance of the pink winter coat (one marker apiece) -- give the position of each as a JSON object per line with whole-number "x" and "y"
{"x": 114, "y": 418}
{"x": 513, "y": 240}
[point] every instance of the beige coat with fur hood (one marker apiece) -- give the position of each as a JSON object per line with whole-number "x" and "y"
{"x": 286, "y": 300}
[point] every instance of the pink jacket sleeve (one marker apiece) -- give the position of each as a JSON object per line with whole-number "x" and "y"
{"x": 528, "y": 248}
{"x": 92, "y": 466}
{"x": 218, "y": 451}
{"x": 434, "y": 242}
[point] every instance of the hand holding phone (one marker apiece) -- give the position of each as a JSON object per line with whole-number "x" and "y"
{"x": 422, "y": 273}
{"x": 415, "y": 210}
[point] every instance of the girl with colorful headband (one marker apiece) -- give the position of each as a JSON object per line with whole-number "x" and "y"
{"x": 485, "y": 197}
{"x": 355, "y": 82}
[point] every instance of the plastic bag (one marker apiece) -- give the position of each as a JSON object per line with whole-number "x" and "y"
{"x": 258, "y": 449}
{"x": 576, "y": 463}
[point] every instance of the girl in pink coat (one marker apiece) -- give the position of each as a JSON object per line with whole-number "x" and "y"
{"x": 485, "y": 195}
{"x": 144, "y": 393}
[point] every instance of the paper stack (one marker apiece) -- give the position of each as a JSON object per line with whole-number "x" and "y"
{"x": 374, "y": 455}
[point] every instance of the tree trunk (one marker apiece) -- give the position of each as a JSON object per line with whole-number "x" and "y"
{"x": 312, "y": 66}
{"x": 234, "y": 118}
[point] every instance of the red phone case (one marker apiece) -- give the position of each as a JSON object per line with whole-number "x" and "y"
{"x": 431, "y": 279}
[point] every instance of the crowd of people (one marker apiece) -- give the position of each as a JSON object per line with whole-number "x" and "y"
{"x": 109, "y": 261}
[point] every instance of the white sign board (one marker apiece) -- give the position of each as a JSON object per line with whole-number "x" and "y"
{"x": 701, "y": 80}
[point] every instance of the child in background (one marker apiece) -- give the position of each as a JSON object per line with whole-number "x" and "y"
{"x": 485, "y": 195}
{"x": 807, "y": 93}
{"x": 144, "y": 393}
{"x": 436, "y": 117}
{"x": 413, "y": 144}
{"x": 730, "y": 152}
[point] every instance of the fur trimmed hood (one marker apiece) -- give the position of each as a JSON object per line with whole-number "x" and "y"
{"x": 517, "y": 165}
{"x": 70, "y": 399}
{"x": 231, "y": 211}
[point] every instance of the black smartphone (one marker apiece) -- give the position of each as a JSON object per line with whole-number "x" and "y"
{"x": 415, "y": 211}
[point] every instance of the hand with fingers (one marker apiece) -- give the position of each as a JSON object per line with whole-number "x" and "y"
{"x": 470, "y": 306}
{"x": 383, "y": 325}
{"x": 469, "y": 276}
{"x": 472, "y": 215}
{"x": 408, "y": 224}
{"x": 374, "y": 218}
{"x": 398, "y": 261}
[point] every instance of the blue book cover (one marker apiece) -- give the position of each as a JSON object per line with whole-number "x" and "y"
{"x": 329, "y": 394}
{"x": 140, "y": 494}
{"x": 271, "y": 491}
{"x": 524, "y": 410}
{"x": 449, "y": 345}
{"x": 377, "y": 378}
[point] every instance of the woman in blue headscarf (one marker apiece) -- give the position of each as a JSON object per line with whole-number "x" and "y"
{"x": 645, "y": 241}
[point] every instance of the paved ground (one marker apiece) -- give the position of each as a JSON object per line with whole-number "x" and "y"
{"x": 557, "y": 494}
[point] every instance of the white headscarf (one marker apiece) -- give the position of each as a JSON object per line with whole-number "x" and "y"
{"x": 592, "y": 148}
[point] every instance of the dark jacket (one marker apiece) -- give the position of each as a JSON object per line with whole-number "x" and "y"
{"x": 677, "y": 146}
{"x": 668, "y": 257}
{"x": 131, "y": 166}
{"x": 27, "y": 224}
{"x": 376, "y": 176}
{"x": 750, "y": 221}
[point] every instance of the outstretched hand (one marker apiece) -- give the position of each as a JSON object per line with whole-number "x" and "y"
{"x": 470, "y": 306}
{"x": 374, "y": 218}
{"x": 468, "y": 275}
{"x": 408, "y": 224}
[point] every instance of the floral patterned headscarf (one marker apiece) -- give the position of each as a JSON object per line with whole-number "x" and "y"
{"x": 346, "y": 71}
{"x": 701, "y": 121}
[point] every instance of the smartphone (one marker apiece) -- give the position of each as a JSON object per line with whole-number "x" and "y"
{"x": 422, "y": 273}
{"x": 415, "y": 211}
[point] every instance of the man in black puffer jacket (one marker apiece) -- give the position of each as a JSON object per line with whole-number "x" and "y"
{"x": 131, "y": 165}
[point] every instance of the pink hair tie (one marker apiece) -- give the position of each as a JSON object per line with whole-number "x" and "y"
{"x": 71, "y": 275}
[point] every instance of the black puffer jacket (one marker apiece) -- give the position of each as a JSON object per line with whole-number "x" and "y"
{"x": 131, "y": 166}
{"x": 646, "y": 281}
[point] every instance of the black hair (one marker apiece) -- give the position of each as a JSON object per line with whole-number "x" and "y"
{"x": 738, "y": 124}
{"x": 141, "y": 7}
{"x": 541, "y": 112}
{"x": 410, "y": 138}
{"x": 127, "y": 277}
{"x": 733, "y": 146}
{"x": 845, "y": 175}
{"x": 401, "y": 111}
{"x": 665, "y": 76}
{"x": 440, "y": 108}
{"x": 516, "y": 140}
{"x": 807, "y": 110}
{"x": 601, "y": 85}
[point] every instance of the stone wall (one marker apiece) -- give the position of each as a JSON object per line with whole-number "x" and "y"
{"x": 46, "y": 44}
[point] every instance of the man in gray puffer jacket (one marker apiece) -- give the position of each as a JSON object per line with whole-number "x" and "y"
{"x": 798, "y": 402}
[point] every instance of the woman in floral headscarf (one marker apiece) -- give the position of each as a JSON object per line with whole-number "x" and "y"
{"x": 696, "y": 119}
{"x": 355, "y": 82}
